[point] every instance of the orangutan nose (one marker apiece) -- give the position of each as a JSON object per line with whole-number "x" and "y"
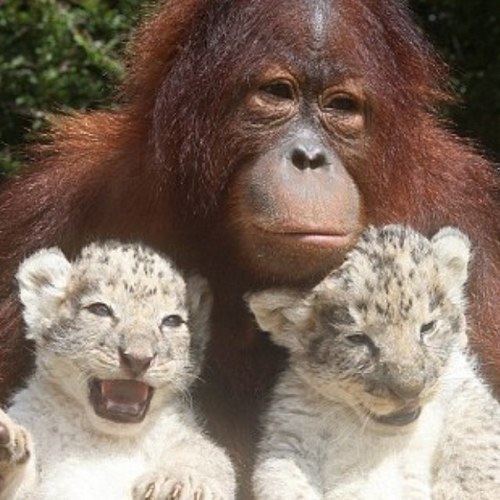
{"x": 136, "y": 362}
{"x": 308, "y": 156}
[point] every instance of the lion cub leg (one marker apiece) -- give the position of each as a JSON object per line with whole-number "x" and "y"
{"x": 16, "y": 459}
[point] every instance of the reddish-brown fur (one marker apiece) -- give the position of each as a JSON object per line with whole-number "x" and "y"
{"x": 163, "y": 168}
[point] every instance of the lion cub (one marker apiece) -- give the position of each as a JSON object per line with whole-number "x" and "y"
{"x": 119, "y": 336}
{"x": 380, "y": 400}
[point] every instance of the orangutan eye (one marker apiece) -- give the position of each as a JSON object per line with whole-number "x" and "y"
{"x": 341, "y": 102}
{"x": 100, "y": 309}
{"x": 281, "y": 90}
{"x": 172, "y": 321}
{"x": 427, "y": 328}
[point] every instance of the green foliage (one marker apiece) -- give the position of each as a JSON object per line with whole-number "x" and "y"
{"x": 59, "y": 54}
{"x": 467, "y": 32}
{"x": 56, "y": 54}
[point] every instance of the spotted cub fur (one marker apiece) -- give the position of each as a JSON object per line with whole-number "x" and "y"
{"x": 380, "y": 399}
{"x": 119, "y": 336}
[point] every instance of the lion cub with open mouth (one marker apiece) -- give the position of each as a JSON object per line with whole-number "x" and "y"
{"x": 119, "y": 336}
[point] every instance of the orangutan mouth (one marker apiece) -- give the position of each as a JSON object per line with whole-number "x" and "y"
{"x": 399, "y": 418}
{"x": 316, "y": 238}
{"x": 330, "y": 240}
{"x": 122, "y": 401}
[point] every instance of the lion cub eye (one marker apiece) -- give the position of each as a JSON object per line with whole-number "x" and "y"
{"x": 427, "y": 328}
{"x": 172, "y": 321}
{"x": 100, "y": 309}
{"x": 359, "y": 339}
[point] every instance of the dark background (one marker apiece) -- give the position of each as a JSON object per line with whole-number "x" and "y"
{"x": 57, "y": 55}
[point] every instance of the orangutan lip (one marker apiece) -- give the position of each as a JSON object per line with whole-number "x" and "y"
{"x": 398, "y": 418}
{"x": 124, "y": 401}
{"x": 320, "y": 239}
{"x": 313, "y": 238}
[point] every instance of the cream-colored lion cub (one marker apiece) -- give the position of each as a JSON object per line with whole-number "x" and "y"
{"x": 119, "y": 336}
{"x": 380, "y": 400}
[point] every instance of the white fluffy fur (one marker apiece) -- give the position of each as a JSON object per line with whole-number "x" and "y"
{"x": 355, "y": 339}
{"x": 59, "y": 449}
{"x": 43, "y": 279}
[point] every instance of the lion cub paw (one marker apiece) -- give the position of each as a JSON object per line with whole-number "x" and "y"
{"x": 179, "y": 484}
{"x": 15, "y": 445}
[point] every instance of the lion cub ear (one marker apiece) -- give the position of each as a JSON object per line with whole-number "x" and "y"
{"x": 453, "y": 249}
{"x": 285, "y": 314}
{"x": 43, "y": 278}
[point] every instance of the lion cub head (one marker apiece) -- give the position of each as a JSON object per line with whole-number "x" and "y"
{"x": 378, "y": 332}
{"x": 119, "y": 330}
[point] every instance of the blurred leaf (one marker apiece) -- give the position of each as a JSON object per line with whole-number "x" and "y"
{"x": 56, "y": 53}
{"x": 467, "y": 33}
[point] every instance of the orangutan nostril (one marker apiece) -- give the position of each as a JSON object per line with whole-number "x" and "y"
{"x": 303, "y": 157}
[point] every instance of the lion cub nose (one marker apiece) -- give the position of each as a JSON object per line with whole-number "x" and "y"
{"x": 136, "y": 362}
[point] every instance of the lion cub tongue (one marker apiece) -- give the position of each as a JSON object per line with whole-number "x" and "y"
{"x": 125, "y": 401}
{"x": 125, "y": 391}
